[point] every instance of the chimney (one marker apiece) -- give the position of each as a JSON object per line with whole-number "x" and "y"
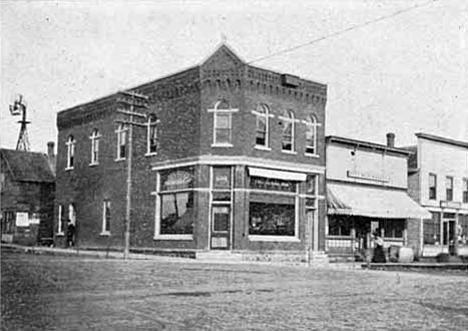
{"x": 390, "y": 139}
{"x": 50, "y": 149}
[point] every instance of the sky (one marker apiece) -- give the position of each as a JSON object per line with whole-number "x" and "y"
{"x": 404, "y": 74}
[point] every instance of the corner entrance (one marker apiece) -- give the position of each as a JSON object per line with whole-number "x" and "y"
{"x": 220, "y": 227}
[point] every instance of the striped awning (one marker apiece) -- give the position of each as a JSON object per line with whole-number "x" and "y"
{"x": 372, "y": 202}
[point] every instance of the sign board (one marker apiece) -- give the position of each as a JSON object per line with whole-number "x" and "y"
{"x": 22, "y": 219}
{"x": 34, "y": 219}
{"x": 450, "y": 204}
{"x": 368, "y": 175}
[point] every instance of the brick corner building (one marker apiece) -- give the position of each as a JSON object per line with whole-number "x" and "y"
{"x": 228, "y": 157}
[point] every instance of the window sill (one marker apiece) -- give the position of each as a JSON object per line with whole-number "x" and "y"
{"x": 173, "y": 237}
{"x": 262, "y": 148}
{"x": 69, "y": 169}
{"x": 60, "y": 234}
{"x": 222, "y": 145}
{"x": 289, "y": 152}
{"x": 273, "y": 238}
{"x": 93, "y": 164}
{"x": 120, "y": 159}
{"x": 151, "y": 154}
{"x": 312, "y": 155}
{"x": 105, "y": 234}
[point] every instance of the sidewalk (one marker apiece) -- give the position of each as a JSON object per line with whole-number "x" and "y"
{"x": 89, "y": 253}
{"x": 160, "y": 258}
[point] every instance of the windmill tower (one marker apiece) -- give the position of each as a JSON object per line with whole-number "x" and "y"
{"x": 19, "y": 108}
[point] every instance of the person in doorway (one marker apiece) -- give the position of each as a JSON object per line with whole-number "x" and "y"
{"x": 70, "y": 234}
{"x": 379, "y": 252}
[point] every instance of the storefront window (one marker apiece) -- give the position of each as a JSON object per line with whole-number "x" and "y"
{"x": 338, "y": 226}
{"x": 176, "y": 201}
{"x": 177, "y": 213}
{"x": 271, "y": 219}
{"x": 392, "y": 228}
{"x": 431, "y": 230}
{"x": 463, "y": 229}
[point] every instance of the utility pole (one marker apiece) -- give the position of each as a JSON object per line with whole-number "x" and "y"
{"x": 19, "y": 108}
{"x": 136, "y": 102}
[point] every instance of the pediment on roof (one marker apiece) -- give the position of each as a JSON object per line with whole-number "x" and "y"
{"x": 223, "y": 62}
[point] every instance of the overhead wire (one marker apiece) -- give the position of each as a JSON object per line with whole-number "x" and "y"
{"x": 340, "y": 32}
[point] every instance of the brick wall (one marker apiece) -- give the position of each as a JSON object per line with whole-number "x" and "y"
{"x": 185, "y": 131}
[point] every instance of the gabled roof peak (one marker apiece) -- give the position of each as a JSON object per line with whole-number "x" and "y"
{"x": 223, "y": 47}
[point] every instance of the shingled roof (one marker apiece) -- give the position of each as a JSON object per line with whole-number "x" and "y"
{"x": 27, "y": 166}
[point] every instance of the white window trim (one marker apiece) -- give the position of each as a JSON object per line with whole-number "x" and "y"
{"x": 59, "y": 221}
{"x": 157, "y": 218}
{"x": 314, "y": 125}
{"x": 267, "y": 117}
{"x": 222, "y": 145}
{"x": 104, "y": 232}
{"x": 120, "y": 129}
{"x": 216, "y": 111}
{"x": 262, "y": 148}
{"x": 70, "y": 152}
{"x": 148, "y": 131}
{"x": 293, "y": 122}
{"x": 94, "y": 139}
{"x": 274, "y": 238}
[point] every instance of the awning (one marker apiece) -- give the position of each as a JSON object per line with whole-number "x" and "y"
{"x": 284, "y": 175}
{"x": 372, "y": 202}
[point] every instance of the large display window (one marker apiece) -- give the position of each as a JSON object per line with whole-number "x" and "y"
{"x": 272, "y": 208}
{"x": 175, "y": 211}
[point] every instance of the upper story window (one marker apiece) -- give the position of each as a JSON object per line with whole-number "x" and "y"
{"x": 121, "y": 141}
{"x": 152, "y": 135}
{"x": 70, "y": 152}
{"x": 449, "y": 188}
{"x": 289, "y": 129}
{"x": 262, "y": 128}
{"x": 465, "y": 189}
{"x": 222, "y": 124}
{"x": 94, "y": 147}
{"x": 311, "y": 135}
{"x": 106, "y": 217}
{"x": 432, "y": 187}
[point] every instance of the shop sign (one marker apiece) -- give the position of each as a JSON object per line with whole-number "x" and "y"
{"x": 34, "y": 219}
{"x": 22, "y": 219}
{"x": 368, "y": 176}
{"x": 450, "y": 204}
{"x": 272, "y": 184}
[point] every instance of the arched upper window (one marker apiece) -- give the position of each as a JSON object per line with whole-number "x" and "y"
{"x": 94, "y": 147}
{"x": 121, "y": 141}
{"x": 222, "y": 124}
{"x": 262, "y": 128}
{"x": 311, "y": 135}
{"x": 152, "y": 134}
{"x": 70, "y": 152}
{"x": 289, "y": 129}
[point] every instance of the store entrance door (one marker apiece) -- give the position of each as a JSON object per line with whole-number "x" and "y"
{"x": 448, "y": 233}
{"x": 220, "y": 227}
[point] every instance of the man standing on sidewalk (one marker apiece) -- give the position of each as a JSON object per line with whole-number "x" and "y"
{"x": 70, "y": 234}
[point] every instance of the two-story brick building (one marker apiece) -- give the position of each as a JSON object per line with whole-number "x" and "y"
{"x": 27, "y": 186}
{"x": 367, "y": 192}
{"x": 232, "y": 158}
{"x": 438, "y": 181}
